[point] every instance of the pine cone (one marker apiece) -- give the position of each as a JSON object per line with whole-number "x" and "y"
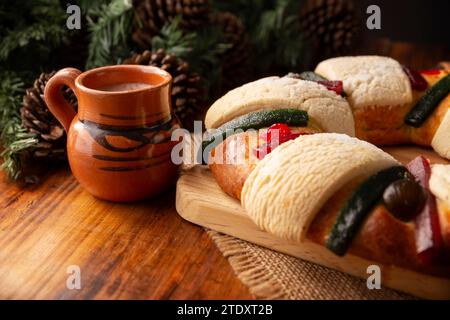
{"x": 235, "y": 59}
{"x": 37, "y": 119}
{"x": 152, "y": 15}
{"x": 332, "y": 26}
{"x": 186, "y": 90}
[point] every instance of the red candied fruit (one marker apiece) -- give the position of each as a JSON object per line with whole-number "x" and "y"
{"x": 431, "y": 72}
{"x": 336, "y": 86}
{"x": 418, "y": 82}
{"x": 277, "y": 134}
{"x": 279, "y": 130}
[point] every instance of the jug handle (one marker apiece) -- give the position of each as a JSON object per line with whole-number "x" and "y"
{"x": 53, "y": 95}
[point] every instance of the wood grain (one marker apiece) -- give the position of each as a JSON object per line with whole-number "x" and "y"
{"x": 200, "y": 200}
{"x": 125, "y": 251}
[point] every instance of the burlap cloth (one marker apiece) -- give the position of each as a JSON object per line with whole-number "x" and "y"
{"x": 273, "y": 275}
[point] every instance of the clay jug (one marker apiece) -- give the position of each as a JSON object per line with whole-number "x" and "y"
{"x": 119, "y": 142}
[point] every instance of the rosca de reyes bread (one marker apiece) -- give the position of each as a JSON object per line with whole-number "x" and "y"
{"x": 344, "y": 194}
{"x": 326, "y": 162}
{"x": 393, "y": 104}
{"x": 325, "y": 108}
{"x": 285, "y": 147}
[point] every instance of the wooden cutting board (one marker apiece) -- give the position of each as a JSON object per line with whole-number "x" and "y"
{"x": 201, "y": 201}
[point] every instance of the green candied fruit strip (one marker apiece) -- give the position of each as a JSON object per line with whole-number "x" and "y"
{"x": 312, "y": 76}
{"x": 359, "y": 205}
{"x": 428, "y": 103}
{"x": 257, "y": 120}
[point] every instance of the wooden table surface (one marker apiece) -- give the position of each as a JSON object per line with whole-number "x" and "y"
{"x": 126, "y": 251}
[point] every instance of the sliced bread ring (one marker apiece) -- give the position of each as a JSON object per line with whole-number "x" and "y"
{"x": 289, "y": 186}
{"x": 302, "y": 203}
{"x": 329, "y": 110}
{"x": 381, "y": 96}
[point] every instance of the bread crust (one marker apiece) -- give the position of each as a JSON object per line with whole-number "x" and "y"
{"x": 369, "y": 80}
{"x": 381, "y": 238}
{"x": 380, "y": 96}
{"x": 230, "y": 174}
{"x": 373, "y": 125}
{"x": 331, "y": 111}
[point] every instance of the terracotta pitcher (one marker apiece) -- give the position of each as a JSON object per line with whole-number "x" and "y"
{"x": 119, "y": 143}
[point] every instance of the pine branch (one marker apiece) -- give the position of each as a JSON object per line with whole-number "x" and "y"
{"x": 249, "y": 11}
{"x": 277, "y": 34}
{"x": 40, "y": 23}
{"x": 274, "y": 29}
{"x": 205, "y": 57}
{"x": 14, "y": 137}
{"x": 174, "y": 40}
{"x": 16, "y": 141}
{"x": 110, "y": 26}
{"x": 88, "y": 6}
{"x": 292, "y": 53}
{"x": 41, "y": 31}
{"x": 11, "y": 89}
{"x": 201, "y": 49}
{"x": 30, "y": 32}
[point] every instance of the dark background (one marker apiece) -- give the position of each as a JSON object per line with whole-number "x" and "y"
{"x": 410, "y": 20}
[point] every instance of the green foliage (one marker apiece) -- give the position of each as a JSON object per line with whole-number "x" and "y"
{"x": 11, "y": 89}
{"x": 88, "y": 6}
{"x": 174, "y": 40}
{"x": 29, "y": 31}
{"x": 249, "y": 11}
{"x": 274, "y": 31}
{"x": 277, "y": 35}
{"x": 14, "y": 138}
{"x": 16, "y": 142}
{"x": 205, "y": 58}
{"x": 110, "y": 26}
{"x": 40, "y": 31}
{"x": 202, "y": 49}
